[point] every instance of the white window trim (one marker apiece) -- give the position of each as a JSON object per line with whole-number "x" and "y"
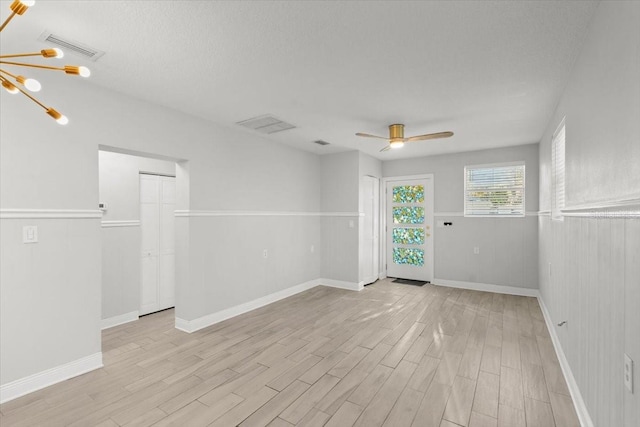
{"x": 494, "y": 165}
{"x": 558, "y": 204}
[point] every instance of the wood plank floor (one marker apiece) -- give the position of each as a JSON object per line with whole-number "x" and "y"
{"x": 391, "y": 355}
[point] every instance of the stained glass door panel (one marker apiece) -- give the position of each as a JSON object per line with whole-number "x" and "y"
{"x": 409, "y": 222}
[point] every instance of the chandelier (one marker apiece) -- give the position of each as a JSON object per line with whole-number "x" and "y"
{"x": 17, "y": 83}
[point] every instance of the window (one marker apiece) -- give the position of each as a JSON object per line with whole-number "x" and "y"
{"x": 494, "y": 190}
{"x": 557, "y": 173}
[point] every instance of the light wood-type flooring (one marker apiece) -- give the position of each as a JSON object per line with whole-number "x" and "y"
{"x": 391, "y": 355}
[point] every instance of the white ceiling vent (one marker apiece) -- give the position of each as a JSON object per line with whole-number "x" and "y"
{"x": 266, "y": 124}
{"x": 70, "y": 46}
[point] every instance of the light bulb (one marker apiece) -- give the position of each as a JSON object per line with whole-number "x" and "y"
{"x": 32, "y": 84}
{"x": 396, "y": 144}
{"x": 28, "y": 3}
{"x": 59, "y": 53}
{"x": 85, "y": 72}
{"x": 63, "y": 120}
{"x": 10, "y": 87}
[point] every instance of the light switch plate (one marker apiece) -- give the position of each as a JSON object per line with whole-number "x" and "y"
{"x": 628, "y": 373}
{"x": 30, "y": 234}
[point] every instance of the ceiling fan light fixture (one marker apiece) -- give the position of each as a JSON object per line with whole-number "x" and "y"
{"x": 396, "y": 144}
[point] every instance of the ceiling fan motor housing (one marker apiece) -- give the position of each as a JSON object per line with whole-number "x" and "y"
{"x": 396, "y": 131}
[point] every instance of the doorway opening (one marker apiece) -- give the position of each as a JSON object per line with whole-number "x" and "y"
{"x": 138, "y": 194}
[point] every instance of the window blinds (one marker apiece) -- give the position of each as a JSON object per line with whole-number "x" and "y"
{"x": 495, "y": 190}
{"x": 557, "y": 173}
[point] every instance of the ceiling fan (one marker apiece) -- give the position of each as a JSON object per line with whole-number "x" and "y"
{"x": 396, "y": 136}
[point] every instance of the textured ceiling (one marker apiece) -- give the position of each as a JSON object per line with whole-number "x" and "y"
{"x": 490, "y": 71}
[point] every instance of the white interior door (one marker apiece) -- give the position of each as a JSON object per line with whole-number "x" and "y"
{"x": 157, "y": 206}
{"x": 409, "y": 225}
{"x": 370, "y": 229}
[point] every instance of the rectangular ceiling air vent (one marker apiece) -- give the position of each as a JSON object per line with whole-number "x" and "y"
{"x": 266, "y": 124}
{"x": 321, "y": 142}
{"x": 67, "y": 45}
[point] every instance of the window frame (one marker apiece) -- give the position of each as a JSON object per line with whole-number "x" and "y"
{"x": 491, "y": 166}
{"x": 558, "y": 203}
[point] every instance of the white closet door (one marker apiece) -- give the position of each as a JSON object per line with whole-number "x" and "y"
{"x": 369, "y": 242}
{"x": 157, "y": 206}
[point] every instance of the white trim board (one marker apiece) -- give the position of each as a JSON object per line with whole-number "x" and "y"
{"x": 461, "y": 214}
{"x": 217, "y": 317}
{"x": 194, "y": 325}
{"x": 119, "y": 320}
{"x": 350, "y": 286}
{"x": 190, "y": 213}
{"x": 43, "y": 379}
{"x": 576, "y": 396}
{"x": 616, "y": 204}
{"x": 123, "y": 223}
{"x": 486, "y": 287}
{"x": 49, "y": 213}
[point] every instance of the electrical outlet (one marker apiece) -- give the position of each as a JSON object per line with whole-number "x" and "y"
{"x": 265, "y": 254}
{"x": 476, "y": 250}
{"x": 312, "y": 248}
{"x": 628, "y": 373}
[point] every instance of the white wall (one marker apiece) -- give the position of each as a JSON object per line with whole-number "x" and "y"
{"x": 509, "y": 243}
{"x": 51, "y": 291}
{"x": 340, "y": 192}
{"x": 119, "y": 182}
{"x": 595, "y": 261}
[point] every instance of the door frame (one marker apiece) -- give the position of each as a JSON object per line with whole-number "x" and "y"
{"x": 383, "y": 219}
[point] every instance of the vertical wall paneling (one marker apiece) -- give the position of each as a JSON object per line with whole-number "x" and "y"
{"x": 593, "y": 283}
{"x": 595, "y": 280}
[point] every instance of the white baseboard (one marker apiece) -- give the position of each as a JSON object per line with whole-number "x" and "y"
{"x": 486, "y": 287}
{"x": 119, "y": 320}
{"x": 351, "y": 286}
{"x": 49, "y": 377}
{"x": 576, "y": 396}
{"x": 213, "y": 318}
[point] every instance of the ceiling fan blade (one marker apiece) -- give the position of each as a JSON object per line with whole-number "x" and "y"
{"x": 429, "y": 136}
{"x": 368, "y": 135}
{"x": 387, "y": 148}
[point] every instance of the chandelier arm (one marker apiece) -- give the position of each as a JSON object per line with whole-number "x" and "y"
{"x": 19, "y": 55}
{"x": 4, "y": 24}
{"x": 24, "y": 64}
{"x": 8, "y": 73}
